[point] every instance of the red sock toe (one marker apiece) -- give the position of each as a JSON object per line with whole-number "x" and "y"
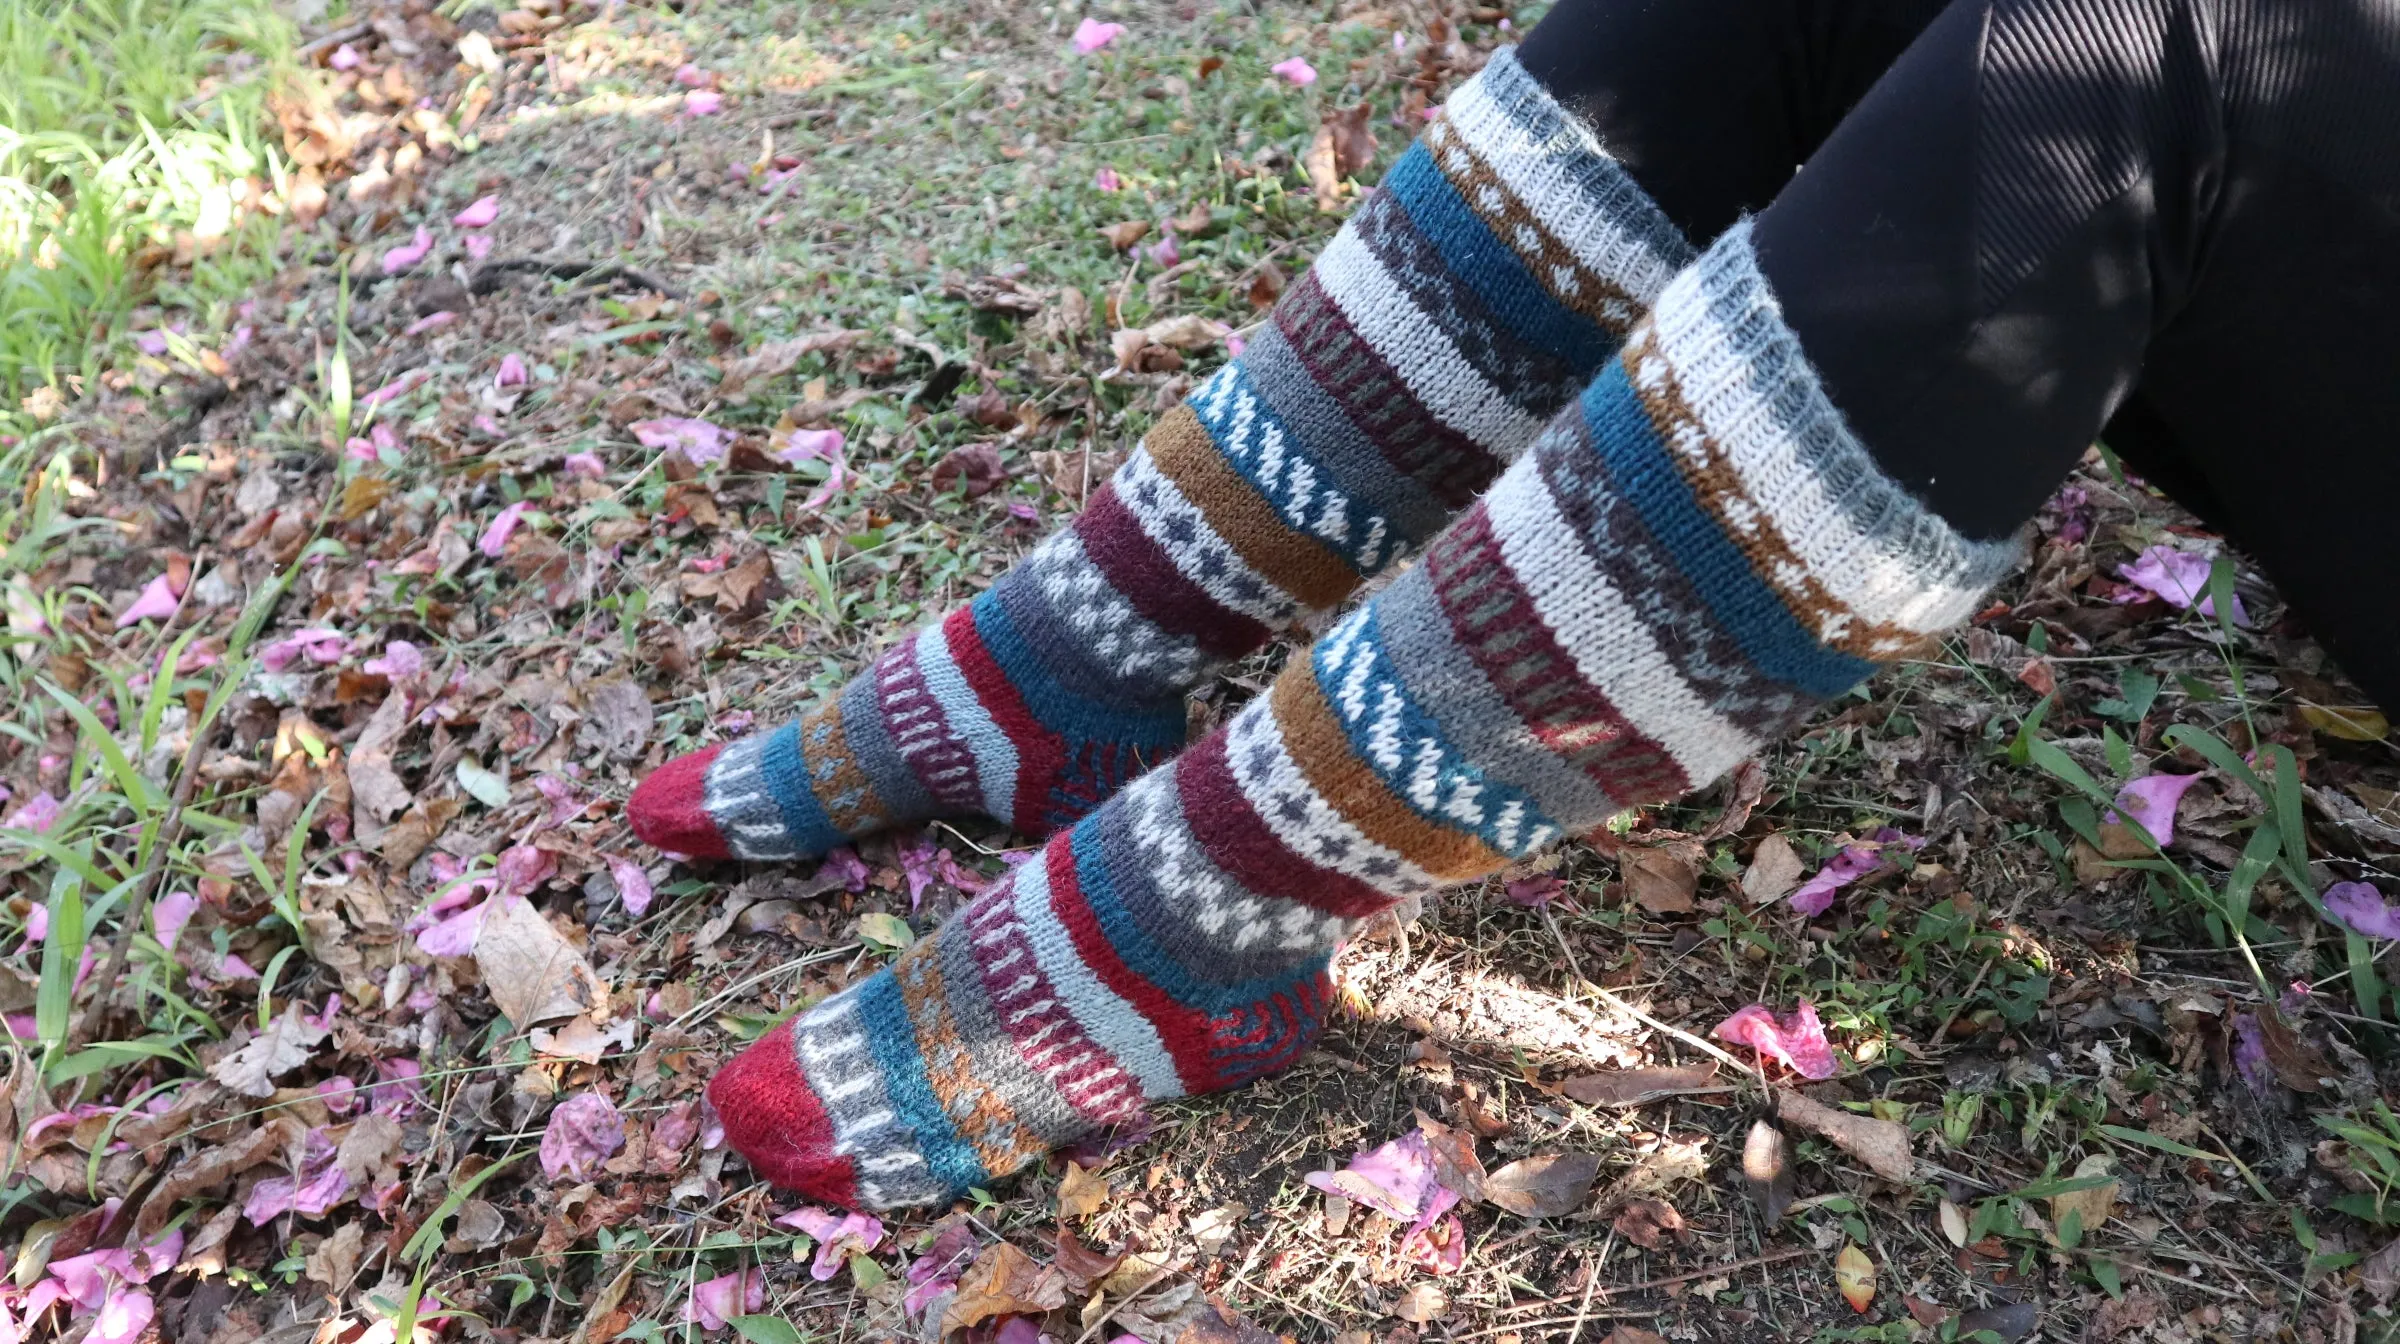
{"x": 772, "y": 1119}
{"x": 666, "y": 809}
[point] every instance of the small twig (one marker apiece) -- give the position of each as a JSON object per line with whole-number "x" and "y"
{"x": 1705, "y": 1047}
{"x": 1725, "y": 1271}
{"x": 1942, "y": 1033}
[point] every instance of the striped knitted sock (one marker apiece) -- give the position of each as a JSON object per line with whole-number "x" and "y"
{"x": 1693, "y": 555}
{"x": 1498, "y": 267}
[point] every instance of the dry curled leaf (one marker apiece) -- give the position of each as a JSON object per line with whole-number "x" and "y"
{"x": 1662, "y": 880}
{"x": 1633, "y": 1087}
{"x": 1647, "y": 1222}
{"x": 1081, "y": 1193}
{"x": 1775, "y": 868}
{"x": 1004, "y": 1281}
{"x": 2088, "y": 1207}
{"x": 1547, "y": 1186}
{"x": 533, "y": 973}
{"x": 288, "y": 1042}
{"x": 1353, "y": 139}
{"x": 1881, "y": 1144}
{"x": 1421, "y": 1303}
{"x": 1124, "y": 235}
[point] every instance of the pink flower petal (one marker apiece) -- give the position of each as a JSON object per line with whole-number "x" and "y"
{"x": 836, "y": 1236}
{"x": 398, "y": 659}
{"x": 845, "y": 866}
{"x": 824, "y": 445}
{"x": 703, "y": 103}
{"x": 584, "y": 464}
{"x": 479, "y": 246}
{"x": 1106, "y": 180}
{"x": 123, "y": 1317}
{"x": 504, "y": 525}
{"x": 171, "y": 912}
{"x": 2250, "y": 1056}
{"x": 726, "y": 1296}
{"x": 398, "y": 387}
{"x": 2152, "y": 800}
{"x": 2180, "y": 578}
{"x": 319, "y": 646}
{"x": 156, "y": 603}
{"x": 1534, "y": 893}
{"x": 936, "y": 1271}
{"x": 1798, "y": 1040}
{"x": 1396, "y": 1179}
{"x": 700, "y": 441}
{"x": 430, "y": 322}
{"x": 2360, "y": 907}
{"x": 408, "y": 254}
{"x": 691, "y": 76}
{"x": 1165, "y": 251}
{"x": 633, "y": 885}
{"x": 512, "y": 372}
{"x": 344, "y": 57}
{"x": 479, "y": 215}
{"x": 1295, "y": 69}
{"x": 151, "y": 342}
{"x": 584, "y": 1131}
{"x": 1813, "y": 897}
{"x": 36, "y": 814}
{"x": 1091, "y": 35}
{"x": 455, "y": 935}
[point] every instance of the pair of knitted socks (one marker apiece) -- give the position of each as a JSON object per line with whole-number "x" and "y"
{"x": 1688, "y": 552}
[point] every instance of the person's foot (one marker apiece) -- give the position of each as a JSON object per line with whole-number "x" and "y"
{"x": 1501, "y": 263}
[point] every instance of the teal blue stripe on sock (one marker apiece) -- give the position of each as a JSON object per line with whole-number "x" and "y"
{"x": 1395, "y": 737}
{"x": 787, "y": 782}
{"x": 893, "y": 1038}
{"x": 1472, "y": 252}
{"x": 1071, "y": 716}
{"x": 1740, "y": 602}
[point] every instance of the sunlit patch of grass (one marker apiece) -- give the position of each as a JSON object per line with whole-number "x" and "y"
{"x": 129, "y": 135}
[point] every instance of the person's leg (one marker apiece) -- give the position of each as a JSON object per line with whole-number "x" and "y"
{"x": 1495, "y": 270}
{"x": 1705, "y": 545}
{"x": 1500, "y": 262}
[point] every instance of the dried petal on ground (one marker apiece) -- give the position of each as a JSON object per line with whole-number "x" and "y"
{"x": 2361, "y": 908}
{"x": 1854, "y": 1275}
{"x": 838, "y": 1236}
{"x": 36, "y": 814}
{"x": 157, "y": 602}
{"x": 1798, "y": 1040}
{"x": 937, "y": 1268}
{"x": 1550, "y": 1185}
{"x": 533, "y": 973}
{"x": 170, "y": 913}
{"x": 632, "y": 883}
{"x": 1881, "y": 1144}
{"x": 399, "y": 659}
{"x": 1855, "y": 862}
{"x": 1295, "y": 69}
{"x": 1395, "y": 1179}
{"x": 479, "y": 215}
{"x": 288, "y": 1042}
{"x": 717, "y": 1300}
{"x": 703, "y": 103}
{"x": 700, "y": 441}
{"x": 2178, "y": 577}
{"x": 408, "y": 254}
{"x": 2152, "y": 800}
{"x": 584, "y": 1131}
{"x": 1634, "y": 1087}
{"x": 1091, "y": 35}
{"x": 494, "y": 542}
{"x": 1534, "y": 893}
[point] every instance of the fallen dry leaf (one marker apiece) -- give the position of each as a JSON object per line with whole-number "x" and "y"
{"x": 2297, "y": 1064}
{"x": 1662, "y": 880}
{"x": 1421, "y": 1303}
{"x": 1124, "y": 235}
{"x": 1633, "y": 1087}
{"x": 1353, "y": 139}
{"x": 1954, "y": 1223}
{"x": 1323, "y": 162}
{"x": 778, "y": 357}
{"x": 1547, "y": 1186}
{"x": 1854, "y": 1275}
{"x": 377, "y": 793}
{"x": 1646, "y": 1222}
{"x": 1081, "y": 1193}
{"x": 2011, "y": 1321}
{"x": 1004, "y": 1281}
{"x": 1775, "y": 868}
{"x": 288, "y": 1042}
{"x": 533, "y": 973}
{"x": 975, "y": 466}
{"x": 1881, "y": 1144}
{"x": 2090, "y": 1208}
{"x": 1767, "y": 1170}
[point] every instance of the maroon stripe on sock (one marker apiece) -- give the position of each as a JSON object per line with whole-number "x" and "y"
{"x": 1040, "y": 753}
{"x": 1185, "y": 1033}
{"x": 1031, "y": 1010}
{"x": 1142, "y": 574}
{"x": 1239, "y": 842}
{"x": 921, "y": 733}
{"x": 1451, "y": 465}
{"x": 1493, "y": 619}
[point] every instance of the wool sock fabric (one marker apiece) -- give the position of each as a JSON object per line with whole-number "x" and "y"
{"x": 1694, "y": 554}
{"x": 1496, "y": 269}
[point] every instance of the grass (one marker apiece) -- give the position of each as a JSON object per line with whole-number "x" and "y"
{"x": 129, "y": 134}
